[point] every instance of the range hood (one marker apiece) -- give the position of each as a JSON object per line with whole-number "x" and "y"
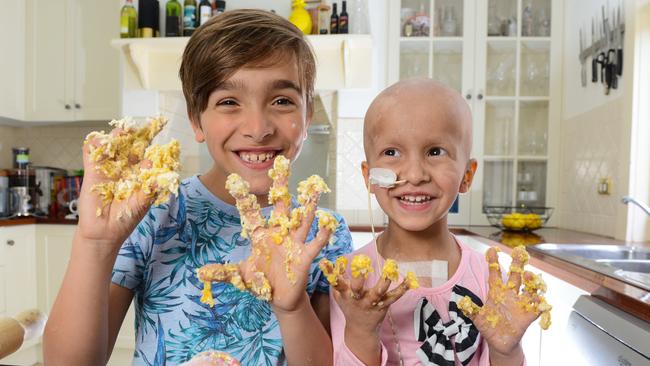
{"x": 343, "y": 61}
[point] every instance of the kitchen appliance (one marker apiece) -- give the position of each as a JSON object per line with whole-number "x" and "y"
{"x": 23, "y": 192}
{"x": 44, "y": 177}
{"x": 611, "y": 336}
{"x": 20, "y": 202}
{"x": 4, "y": 194}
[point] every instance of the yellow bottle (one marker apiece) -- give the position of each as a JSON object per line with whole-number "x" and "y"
{"x": 300, "y": 17}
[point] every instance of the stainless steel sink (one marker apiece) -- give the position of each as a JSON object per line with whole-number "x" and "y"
{"x": 629, "y": 265}
{"x": 626, "y": 263}
{"x": 596, "y": 251}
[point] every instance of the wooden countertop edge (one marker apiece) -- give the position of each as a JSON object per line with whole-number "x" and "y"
{"x": 36, "y": 220}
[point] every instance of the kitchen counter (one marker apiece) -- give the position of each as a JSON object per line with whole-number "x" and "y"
{"x": 623, "y": 295}
{"x": 36, "y": 220}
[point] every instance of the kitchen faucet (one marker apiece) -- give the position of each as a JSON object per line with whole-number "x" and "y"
{"x": 643, "y": 206}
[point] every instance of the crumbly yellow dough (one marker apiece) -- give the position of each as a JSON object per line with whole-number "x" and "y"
{"x": 412, "y": 280}
{"x": 118, "y": 156}
{"x": 361, "y": 266}
{"x": 530, "y": 300}
{"x": 277, "y": 230}
{"x": 333, "y": 271}
{"x": 390, "y": 270}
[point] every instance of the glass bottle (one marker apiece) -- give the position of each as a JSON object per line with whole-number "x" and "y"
{"x": 343, "y": 19}
{"x": 334, "y": 20}
{"x": 205, "y": 11}
{"x": 544, "y": 27}
{"x": 219, "y": 7}
{"x": 449, "y": 24}
{"x": 128, "y": 20}
{"x": 173, "y": 26}
{"x": 189, "y": 17}
{"x": 527, "y": 21}
{"x": 359, "y": 15}
{"x": 323, "y": 18}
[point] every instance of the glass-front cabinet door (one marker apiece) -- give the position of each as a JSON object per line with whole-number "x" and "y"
{"x": 503, "y": 57}
{"x": 435, "y": 39}
{"x": 514, "y": 37}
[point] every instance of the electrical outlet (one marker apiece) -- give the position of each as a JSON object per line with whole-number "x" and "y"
{"x": 604, "y": 186}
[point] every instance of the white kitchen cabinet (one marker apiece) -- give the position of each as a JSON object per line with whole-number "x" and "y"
{"x": 510, "y": 81}
{"x": 18, "y": 283}
{"x": 57, "y": 62}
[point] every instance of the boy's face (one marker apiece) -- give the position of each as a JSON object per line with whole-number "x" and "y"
{"x": 256, "y": 115}
{"x": 424, "y": 138}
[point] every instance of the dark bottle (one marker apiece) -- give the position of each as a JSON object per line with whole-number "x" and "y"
{"x": 148, "y": 18}
{"x": 334, "y": 21}
{"x": 189, "y": 17}
{"x": 205, "y": 11}
{"x": 219, "y": 7}
{"x": 343, "y": 19}
{"x": 173, "y": 11}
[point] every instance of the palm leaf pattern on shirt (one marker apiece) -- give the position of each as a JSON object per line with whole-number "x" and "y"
{"x": 159, "y": 261}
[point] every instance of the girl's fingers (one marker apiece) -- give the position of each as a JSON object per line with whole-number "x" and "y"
{"x": 519, "y": 260}
{"x": 356, "y": 286}
{"x": 395, "y": 294}
{"x": 492, "y": 258}
{"x": 378, "y": 292}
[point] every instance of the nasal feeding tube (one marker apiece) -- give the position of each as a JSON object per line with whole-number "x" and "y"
{"x": 383, "y": 178}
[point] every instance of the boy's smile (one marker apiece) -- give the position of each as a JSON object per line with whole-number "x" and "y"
{"x": 255, "y": 115}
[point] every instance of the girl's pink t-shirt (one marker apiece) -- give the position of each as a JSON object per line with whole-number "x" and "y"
{"x": 472, "y": 274}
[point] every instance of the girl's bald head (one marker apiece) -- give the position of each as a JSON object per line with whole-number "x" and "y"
{"x": 422, "y": 101}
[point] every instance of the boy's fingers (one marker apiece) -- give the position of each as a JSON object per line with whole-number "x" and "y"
{"x": 306, "y": 218}
{"x": 247, "y": 205}
{"x": 519, "y": 260}
{"x": 493, "y": 264}
{"x": 279, "y": 195}
{"x": 314, "y": 247}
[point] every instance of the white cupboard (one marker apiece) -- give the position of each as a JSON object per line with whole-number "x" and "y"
{"x": 57, "y": 62}
{"x": 503, "y": 56}
{"x": 33, "y": 261}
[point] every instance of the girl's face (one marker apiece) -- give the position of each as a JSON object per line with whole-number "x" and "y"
{"x": 425, "y": 148}
{"x": 254, "y": 116}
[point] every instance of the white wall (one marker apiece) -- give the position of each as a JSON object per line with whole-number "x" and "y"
{"x": 596, "y": 131}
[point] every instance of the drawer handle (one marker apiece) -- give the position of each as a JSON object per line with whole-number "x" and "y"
{"x": 10, "y": 242}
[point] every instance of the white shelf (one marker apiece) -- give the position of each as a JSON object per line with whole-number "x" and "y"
{"x": 343, "y": 61}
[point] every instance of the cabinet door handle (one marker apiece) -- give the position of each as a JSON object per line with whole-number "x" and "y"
{"x": 67, "y": 106}
{"x": 11, "y": 242}
{"x": 77, "y": 105}
{"x": 468, "y": 96}
{"x": 479, "y": 96}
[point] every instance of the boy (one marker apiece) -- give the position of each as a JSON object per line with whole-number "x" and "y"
{"x": 248, "y": 79}
{"x": 422, "y": 131}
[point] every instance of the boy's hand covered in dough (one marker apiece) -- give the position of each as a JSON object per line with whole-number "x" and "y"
{"x": 278, "y": 267}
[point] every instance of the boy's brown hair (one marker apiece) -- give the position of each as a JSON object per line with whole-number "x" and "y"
{"x": 238, "y": 38}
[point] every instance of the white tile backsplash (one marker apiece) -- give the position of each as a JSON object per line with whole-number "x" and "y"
{"x": 591, "y": 149}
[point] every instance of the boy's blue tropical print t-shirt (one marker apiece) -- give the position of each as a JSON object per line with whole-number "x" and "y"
{"x": 159, "y": 261}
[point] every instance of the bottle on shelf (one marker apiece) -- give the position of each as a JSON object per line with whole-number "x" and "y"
{"x": 189, "y": 17}
{"x": 544, "y": 26}
{"x": 205, "y": 11}
{"x": 219, "y": 7}
{"x": 343, "y": 19}
{"x": 323, "y": 18}
{"x": 449, "y": 24}
{"x": 527, "y": 20}
{"x": 128, "y": 20}
{"x": 334, "y": 20}
{"x": 359, "y": 16}
{"x": 148, "y": 15}
{"x": 173, "y": 25}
